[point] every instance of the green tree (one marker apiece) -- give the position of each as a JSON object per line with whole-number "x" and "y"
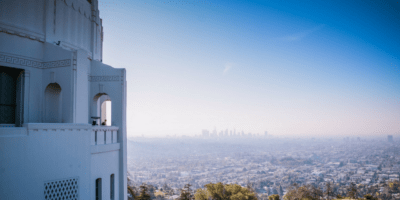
{"x": 394, "y": 187}
{"x": 216, "y": 191}
{"x": 201, "y": 194}
{"x": 274, "y": 197}
{"x": 303, "y": 192}
{"x": 352, "y": 191}
{"x": 186, "y": 193}
{"x": 370, "y": 197}
{"x": 167, "y": 189}
{"x": 144, "y": 193}
{"x": 133, "y": 192}
{"x": 328, "y": 190}
{"x": 315, "y": 192}
{"x": 220, "y": 191}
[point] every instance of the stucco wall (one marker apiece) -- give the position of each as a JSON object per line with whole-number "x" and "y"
{"x": 48, "y": 152}
{"x": 103, "y": 165}
{"x": 23, "y": 16}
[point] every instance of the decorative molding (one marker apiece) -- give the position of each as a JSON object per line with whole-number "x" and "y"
{"x": 56, "y": 64}
{"x": 20, "y": 61}
{"x": 62, "y": 189}
{"x": 32, "y": 63}
{"x": 13, "y": 30}
{"x": 78, "y": 6}
{"x": 103, "y": 78}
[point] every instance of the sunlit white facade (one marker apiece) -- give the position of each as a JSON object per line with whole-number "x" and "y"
{"x": 53, "y": 86}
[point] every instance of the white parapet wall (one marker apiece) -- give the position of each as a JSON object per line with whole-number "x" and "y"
{"x": 46, "y": 152}
{"x": 39, "y": 154}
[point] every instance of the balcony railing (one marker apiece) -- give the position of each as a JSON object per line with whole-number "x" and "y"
{"x": 104, "y": 135}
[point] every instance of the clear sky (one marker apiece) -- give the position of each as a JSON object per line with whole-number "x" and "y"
{"x": 292, "y": 68}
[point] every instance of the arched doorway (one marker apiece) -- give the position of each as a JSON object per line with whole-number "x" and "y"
{"x": 101, "y": 109}
{"x": 105, "y": 111}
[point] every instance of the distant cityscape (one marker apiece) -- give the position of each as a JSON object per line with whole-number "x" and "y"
{"x": 270, "y": 165}
{"x": 229, "y": 133}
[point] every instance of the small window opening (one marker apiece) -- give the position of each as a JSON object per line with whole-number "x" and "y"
{"x": 112, "y": 187}
{"x": 95, "y": 137}
{"x": 98, "y": 189}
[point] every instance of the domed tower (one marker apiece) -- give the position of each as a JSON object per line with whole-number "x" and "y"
{"x": 62, "y": 111}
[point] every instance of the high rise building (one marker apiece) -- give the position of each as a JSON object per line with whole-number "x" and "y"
{"x": 205, "y": 133}
{"x": 214, "y": 133}
{"x": 57, "y": 141}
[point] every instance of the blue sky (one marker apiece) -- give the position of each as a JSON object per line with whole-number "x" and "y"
{"x": 292, "y": 68}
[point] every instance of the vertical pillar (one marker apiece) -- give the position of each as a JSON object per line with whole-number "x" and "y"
{"x": 26, "y": 91}
{"x": 19, "y": 100}
{"x": 74, "y": 85}
{"x": 122, "y": 139}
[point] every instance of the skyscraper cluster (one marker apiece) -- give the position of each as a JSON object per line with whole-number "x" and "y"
{"x": 229, "y": 133}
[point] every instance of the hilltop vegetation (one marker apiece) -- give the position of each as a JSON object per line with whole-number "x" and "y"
{"x": 221, "y": 191}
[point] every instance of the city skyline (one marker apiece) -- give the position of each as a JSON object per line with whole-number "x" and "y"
{"x": 289, "y": 68}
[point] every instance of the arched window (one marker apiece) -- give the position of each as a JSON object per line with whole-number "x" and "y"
{"x": 98, "y": 189}
{"x": 112, "y": 187}
{"x": 53, "y": 103}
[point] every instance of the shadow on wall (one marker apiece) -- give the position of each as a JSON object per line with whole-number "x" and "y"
{"x": 53, "y": 109}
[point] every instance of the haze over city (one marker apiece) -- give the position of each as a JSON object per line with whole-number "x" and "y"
{"x": 199, "y": 100}
{"x": 289, "y": 68}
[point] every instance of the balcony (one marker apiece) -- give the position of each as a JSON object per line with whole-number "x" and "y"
{"x": 104, "y": 139}
{"x": 35, "y": 129}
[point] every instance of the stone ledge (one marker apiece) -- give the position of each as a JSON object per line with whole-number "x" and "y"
{"x": 57, "y": 126}
{"x": 13, "y": 131}
{"x": 105, "y": 148}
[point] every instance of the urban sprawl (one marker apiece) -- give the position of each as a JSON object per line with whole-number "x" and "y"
{"x": 268, "y": 164}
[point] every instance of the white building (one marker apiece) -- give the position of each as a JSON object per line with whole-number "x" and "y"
{"x": 52, "y": 85}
